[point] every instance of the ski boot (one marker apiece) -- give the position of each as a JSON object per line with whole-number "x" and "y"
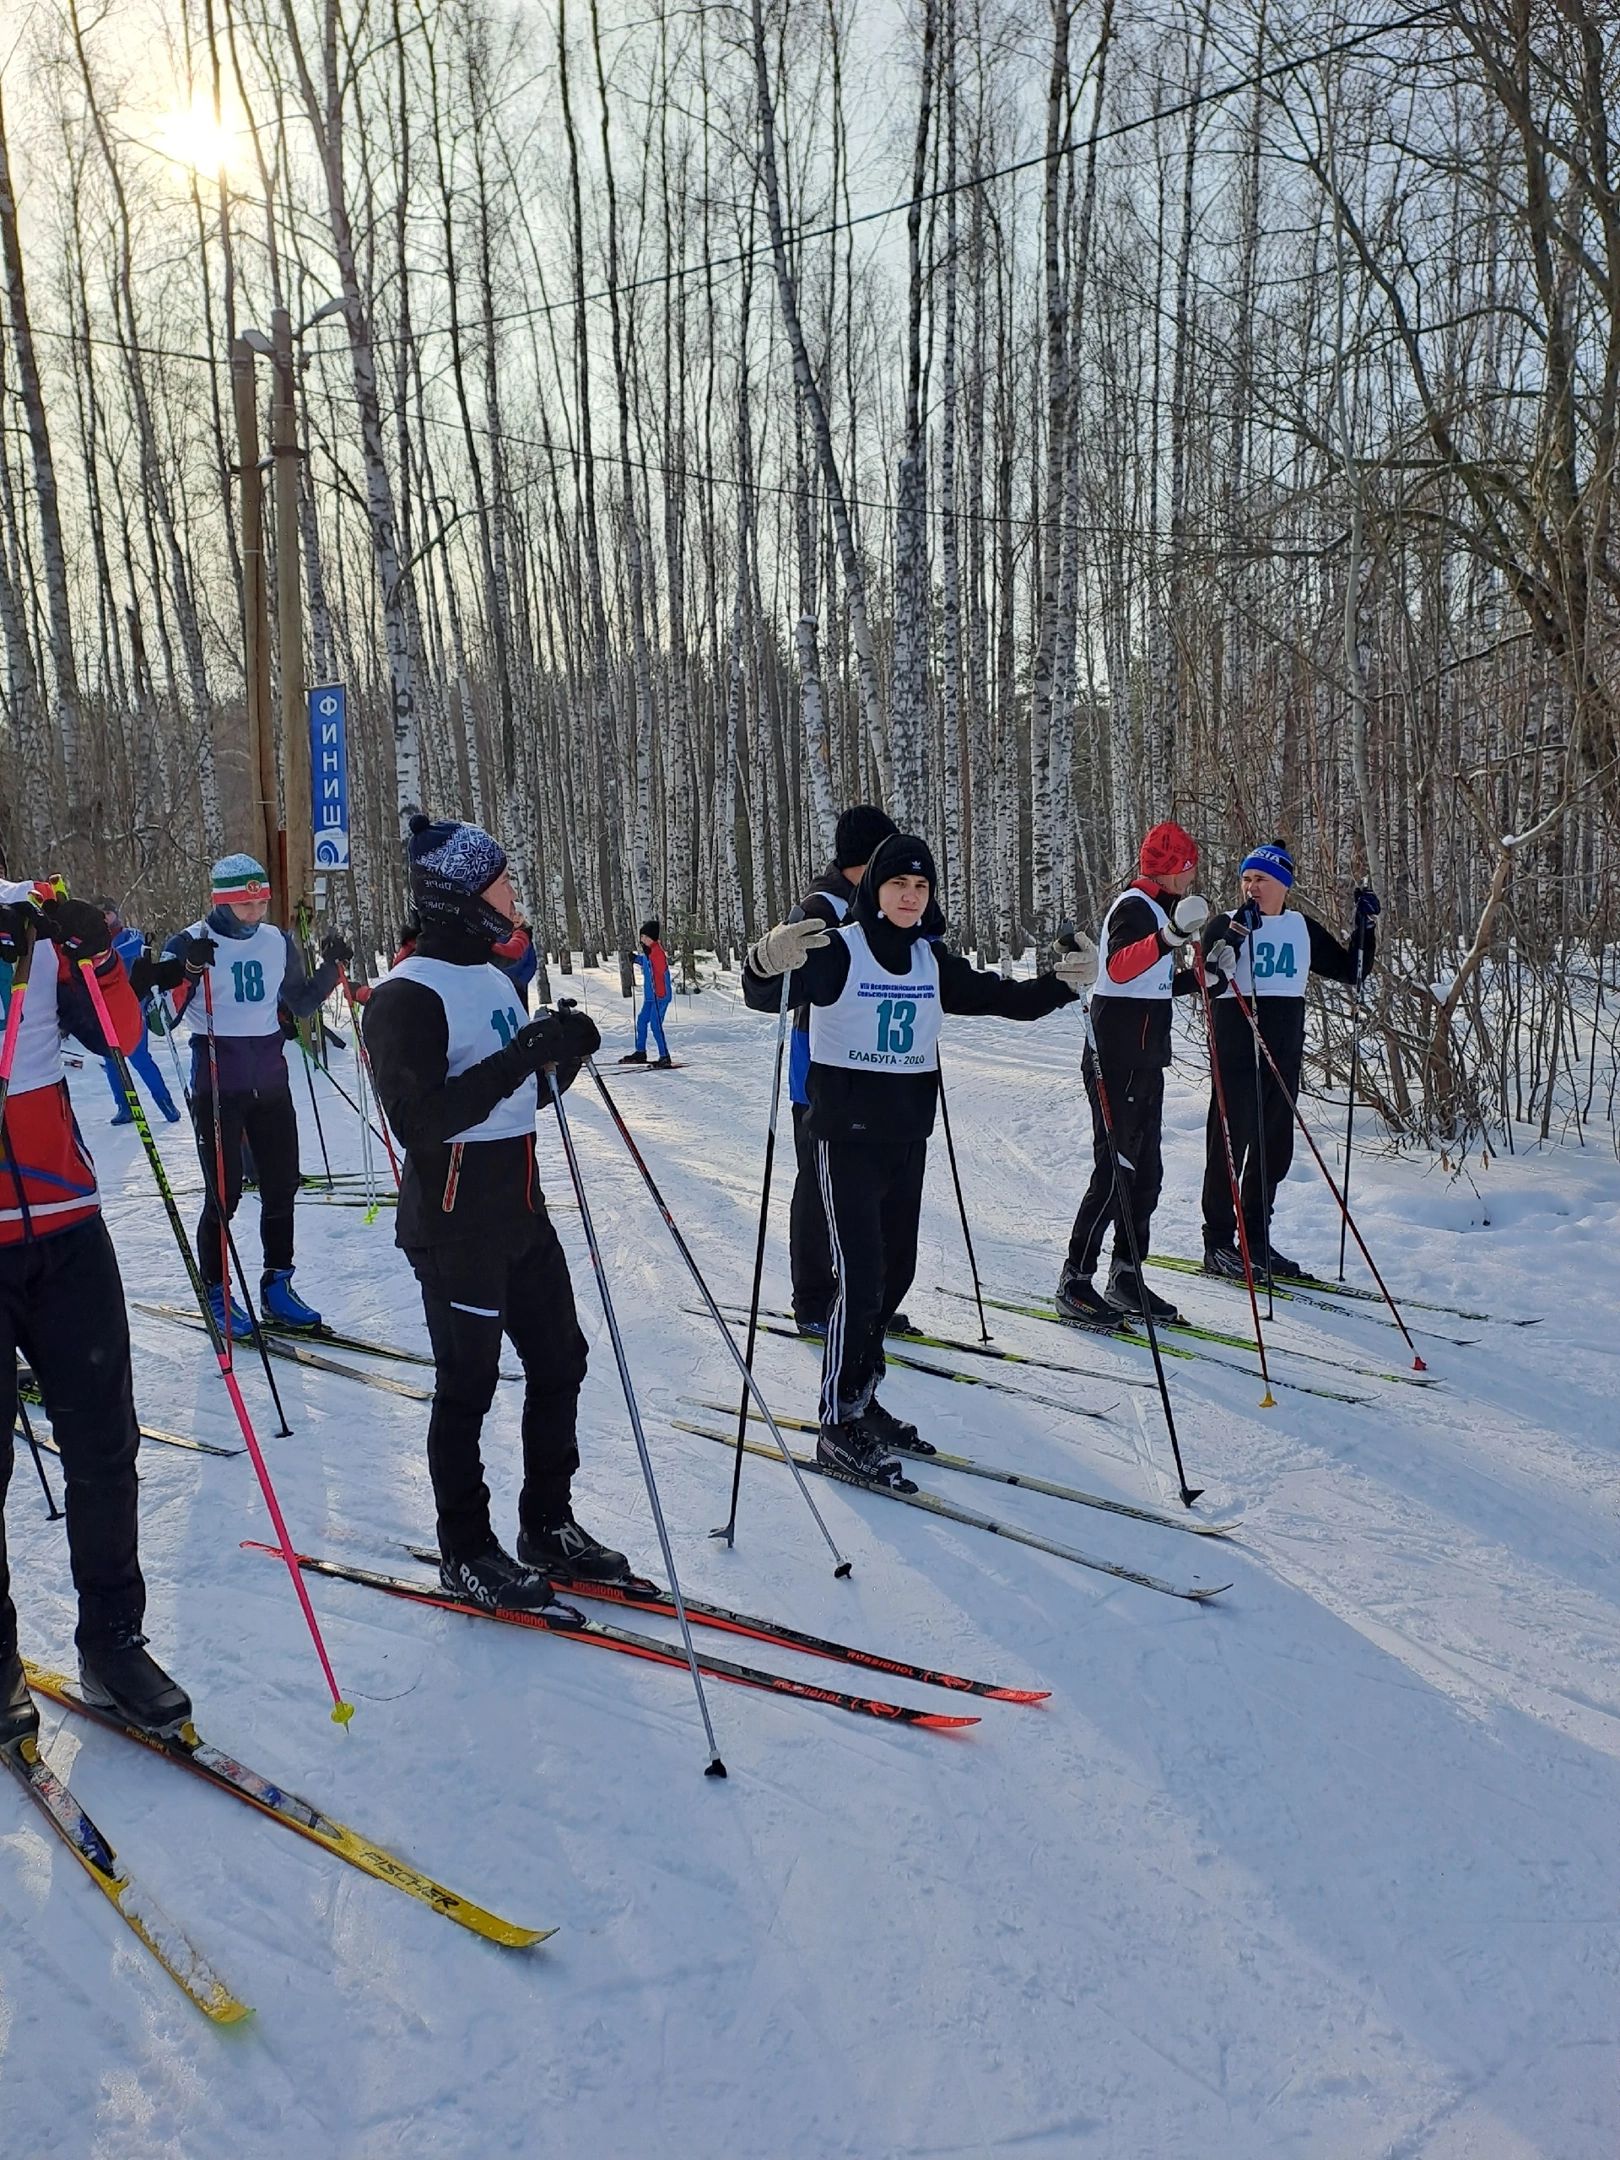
{"x": 662, "y": 1064}
{"x": 171, "y": 1115}
{"x": 563, "y": 1548}
{"x": 1223, "y": 1260}
{"x": 115, "y": 1673}
{"x": 496, "y": 1583}
{"x": 19, "y": 1713}
{"x": 1281, "y": 1265}
{"x": 1132, "y": 1300}
{"x": 283, "y": 1305}
{"x": 241, "y": 1326}
{"x": 850, "y": 1451}
{"x": 900, "y": 1324}
{"x": 125, "y": 1116}
{"x": 635, "y": 1057}
{"x": 890, "y": 1431}
{"x": 1078, "y": 1303}
{"x": 813, "y": 1325}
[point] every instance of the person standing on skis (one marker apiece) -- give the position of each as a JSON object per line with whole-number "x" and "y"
{"x": 1137, "y": 976}
{"x": 130, "y": 946}
{"x": 653, "y": 962}
{"x": 457, "y": 1067}
{"x": 62, "y": 1308}
{"x": 1266, "y": 949}
{"x": 860, "y": 831}
{"x": 255, "y": 972}
{"x": 878, "y": 988}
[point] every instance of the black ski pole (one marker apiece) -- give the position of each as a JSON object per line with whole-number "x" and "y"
{"x": 715, "y": 1767}
{"x": 1267, "y": 1401}
{"x": 728, "y": 1529}
{"x": 55, "y": 1513}
{"x": 750, "y": 1384}
{"x": 1125, "y": 1222}
{"x": 198, "y": 1288}
{"x": 1350, "y": 1106}
{"x": 961, "y": 1206}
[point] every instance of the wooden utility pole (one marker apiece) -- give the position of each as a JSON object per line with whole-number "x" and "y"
{"x": 260, "y": 838}
{"x": 298, "y": 840}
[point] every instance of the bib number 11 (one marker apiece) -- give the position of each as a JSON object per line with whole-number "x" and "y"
{"x": 896, "y": 1019}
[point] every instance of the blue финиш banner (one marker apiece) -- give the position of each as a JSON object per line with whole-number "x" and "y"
{"x": 329, "y": 774}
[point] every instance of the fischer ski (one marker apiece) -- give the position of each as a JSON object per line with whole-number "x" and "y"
{"x": 933, "y": 1505}
{"x": 640, "y": 1594}
{"x": 181, "y": 1960}
{"x": 194, "y": 1753}
{"x": 649, "y": 1647}
{"x": 998, "y": 1475}
{"x": 284, "y": 1346}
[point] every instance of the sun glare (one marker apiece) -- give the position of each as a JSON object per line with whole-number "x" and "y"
{"x": 196, "y": 139}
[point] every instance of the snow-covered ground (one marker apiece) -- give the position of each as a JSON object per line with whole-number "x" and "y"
{"x": 1325, "y": 1870}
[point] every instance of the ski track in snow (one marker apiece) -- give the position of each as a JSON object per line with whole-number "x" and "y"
{"x": 1324, "y": 1872}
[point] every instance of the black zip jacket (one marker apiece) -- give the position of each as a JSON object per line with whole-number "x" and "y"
{"x": 496, "y": 1192}
{"x": 894, "y": 1107}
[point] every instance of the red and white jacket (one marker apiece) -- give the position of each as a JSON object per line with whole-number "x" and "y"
{"x": 47, "y": 1180}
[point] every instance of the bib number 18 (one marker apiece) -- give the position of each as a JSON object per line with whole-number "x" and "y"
{"x": 896, "y": 1019}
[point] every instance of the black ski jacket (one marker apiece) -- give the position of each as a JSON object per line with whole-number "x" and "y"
{"x": 496, "y": 1194}
{"x": 1282, "y": 1019}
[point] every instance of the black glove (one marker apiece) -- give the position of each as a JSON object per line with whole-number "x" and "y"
{"x": 78, "y": 926}
{"x": 335, "y": 946}
{"x": 543, "y": 1042}
{"x": 147, "y": 974}
{"x": 1248, "y": 916}
{"x": 1226, "y": 932}
{"x": 1368, "y": 904}
{"x": 580, "y": 1032}
{"x": 18, "y": 922}
{"x": 197, "y": 955}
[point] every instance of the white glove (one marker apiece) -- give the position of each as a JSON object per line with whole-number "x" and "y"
{"x": 1076, "y": 966}
{"x": 781, "y": 950}
{"x": 1190, "y": 915}
{"x": 1220, "y": 965}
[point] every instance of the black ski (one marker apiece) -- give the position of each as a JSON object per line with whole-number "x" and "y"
{"x": 604, "y": 1637}
{"x": 297, "y": 1351}
{"x": 1317, "y": 1290}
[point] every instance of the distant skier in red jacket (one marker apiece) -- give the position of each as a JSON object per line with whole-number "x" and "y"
{"x": 655, "y": 996}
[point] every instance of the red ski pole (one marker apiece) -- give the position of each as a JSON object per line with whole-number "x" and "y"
{"x": 341, "y": 1711}
{"x": 1344, "y": 1209}
{"x": 14, "y": 1013}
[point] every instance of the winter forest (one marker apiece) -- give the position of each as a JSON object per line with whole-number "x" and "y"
{"x": 1037, "y": 419}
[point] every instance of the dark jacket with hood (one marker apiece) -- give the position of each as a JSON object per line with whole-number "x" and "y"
{"x": 886, "y": 1106}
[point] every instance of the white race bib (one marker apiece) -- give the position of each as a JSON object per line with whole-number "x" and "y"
{"x": 880, "y": 1022}
{"x": 482, "y": 1011}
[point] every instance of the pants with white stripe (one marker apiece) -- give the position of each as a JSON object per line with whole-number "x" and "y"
{"x": 872, "y": 1192}
{"x": 473, "y": 1294}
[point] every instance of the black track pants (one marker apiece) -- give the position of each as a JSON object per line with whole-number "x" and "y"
{"x": 1237, "y": 1050}
{"x": 809, "y": 1254}
{"x": 472, "y": 1296}
{"x": 1136, "y": 1098}
{"x": 62, "y": 1311}
{"x": 269, "y": 1125}
{"x": 871, "y": 1192}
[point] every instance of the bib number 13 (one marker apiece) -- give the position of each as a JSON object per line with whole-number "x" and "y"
{"x": 896, "y": 1019}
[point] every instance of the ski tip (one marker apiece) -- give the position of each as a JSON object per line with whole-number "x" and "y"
{"x": 937, "y": 1721}
{"x": 715, "y": 1768}
{"x": 342, "y": 1712}
{"x": 1019, "y": 1694}
{"x": 1203, "y": 1596}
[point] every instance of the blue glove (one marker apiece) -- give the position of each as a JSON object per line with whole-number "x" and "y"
{"x": 1367, "y": 904}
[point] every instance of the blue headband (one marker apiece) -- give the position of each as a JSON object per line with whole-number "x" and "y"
{"x": 1275, "y": 861}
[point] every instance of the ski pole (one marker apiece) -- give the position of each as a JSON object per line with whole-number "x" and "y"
{"x": 333, "y": 1081}
{"x": 199, "y": 1289}
{"x": 1350, "y": 1221}
{"x": 1249, "y": 916}
{"x": 315, "y": 1037}
{"x": 1350, "y": 1106}
{"x": 55, "y": 1513}
{"x": 365, "y": 1067}
{"x": 728, "y": 1529}
{"x": 750, "y": 1384}
{"x": 715, "y": 1767}
{"x": 961, "y": 1206}
{"x": 1126, "y": 1222}
{"x": 14, "y": 1012}
{"x": 1268, "y": 1401}
{"x": 341, "y": 1711}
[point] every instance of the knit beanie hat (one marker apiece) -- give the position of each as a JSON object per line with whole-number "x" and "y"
{"x": 861, "y": 831}
{"x": 238, "y": 877}
{"x": 450, "y": 865}
{"x": 651, "y": 928}
{"x": 901, "y": 855}
{"x": 1167, "y": 851}
{"x": 1274, "y": 859}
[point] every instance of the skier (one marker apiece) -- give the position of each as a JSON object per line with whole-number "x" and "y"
{"x": 255, "y": 973}
{"x": 457, "y": 1068}
{"x": 130, "y": 946}
{"x": 62, "y": 1308}
{"x": 859, "y": 831}
{"x": 1269, "y": 949}
{"x": 653, "y": 962}
{"x": 1136, "y": 979}
{"x": 877, "y": 988}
